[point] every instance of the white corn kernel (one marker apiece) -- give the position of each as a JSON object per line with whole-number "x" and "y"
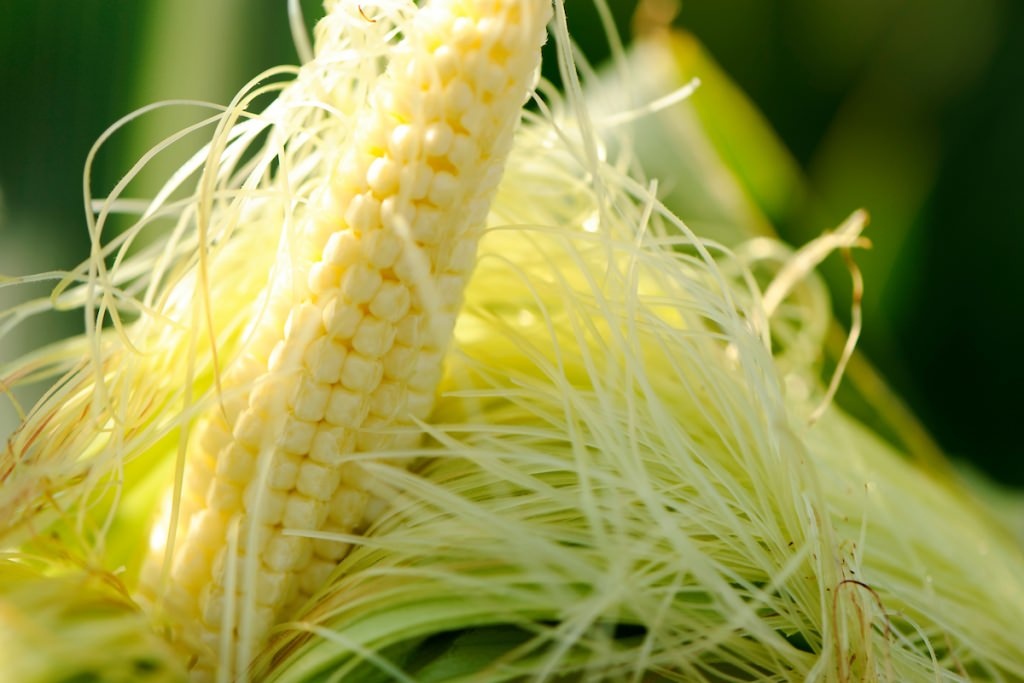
{"x": 255, "y": 537}
{"x": 383, "y": 177}
{"x": 399, "y": 361}
{"x": 392, "y": 302}
{"x": 249, "y": 429}
{"x": 213, "y": 605}
{"x": 388, "y": 400}
{"x": 287, "y": 553}
{"x": 404, "y": 143}
{"x": 397, "y": 214}
{"x": 463, "y": 151}
{"x": 236, "y": 463}
{"x": 330, "y": 445}
{"x": 374, "y": 436}
{"x": 347, "y": 508}
{"x": 266, "y": 506}
{"x": 272, "y": 588}
{"x": 438, "y": 139}
{"x": 346, "y": 408}
{"x": 361, "y": 374}
{"x": 310, "y": 400}
{"x": 362, "y": 215}
{"x": 373, "y": 338}
{"x": 330, "y": 549}
{"x": 381, "y": 249}
{"x": 323, "y": 277}
{"x": 354, "y": 475}
{"x": 316, "y": 576}
{"x": 415, "y": 179}
{"x": 284, "y": 470}
{"x": 444, "y": 189}
{"x": 317, "y": 481}
{"x": 341, "y": 319}
{"x": 303, "y": 322}
{"x": 298, "y": 434}
{"x": 223, "y": 495}
{"x": 302, "y": 512}
{"x": 342, "y": 249}
{"x": 360, "y": 283}
{"x": 409, "y": 330}
{"x": 326, "y": 357}
{"x": 426, "y": 228}
{"x": 262, "y": 619}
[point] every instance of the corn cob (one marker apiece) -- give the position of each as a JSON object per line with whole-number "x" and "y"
{"x": 341, "y": 363}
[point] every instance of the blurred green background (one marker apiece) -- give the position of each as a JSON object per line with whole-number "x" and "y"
{"x": 913, "y": 109}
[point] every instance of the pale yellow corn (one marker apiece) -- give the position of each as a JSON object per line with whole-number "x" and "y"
{"x": 340, "y": 365}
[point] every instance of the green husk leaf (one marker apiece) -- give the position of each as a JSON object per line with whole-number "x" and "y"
{"x": 62, "y": 624}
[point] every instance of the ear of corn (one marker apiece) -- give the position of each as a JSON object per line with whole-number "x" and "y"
{"x": 348, "y": 361}
{"x": 620, "y": 484}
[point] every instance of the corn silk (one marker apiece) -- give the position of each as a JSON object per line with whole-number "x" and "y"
{"x": 619, "y": 479}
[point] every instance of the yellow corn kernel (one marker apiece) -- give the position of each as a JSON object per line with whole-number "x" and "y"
{"x": 360, "y": 353}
